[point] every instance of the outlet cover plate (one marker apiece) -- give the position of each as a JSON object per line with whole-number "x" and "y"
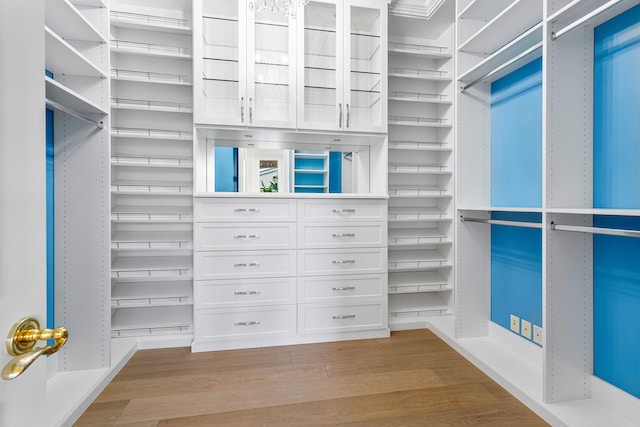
{"x": 526, "y": 329}
{"x": 537, "y": 334}
{"x": 515, "y": 324}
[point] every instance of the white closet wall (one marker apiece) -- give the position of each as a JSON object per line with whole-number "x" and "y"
{"x": 152, "y": 171}
{"x": 421, "y": 117}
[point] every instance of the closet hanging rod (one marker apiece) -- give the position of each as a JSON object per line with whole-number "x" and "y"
{"x": 595, "y": 230}
{"x": 556, "y": 34}
{"x": 502, "y": 222}
{"x": 59, "y": 107}
{"x": 502, "y": 67}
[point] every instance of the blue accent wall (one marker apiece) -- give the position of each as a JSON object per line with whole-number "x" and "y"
{"x": 516, "y": 138}
{"x": 226, "y": 169}
{"x": 335, "y": 172}
{"x": 616, "y": 123}
{"x": 50, "y": 222}
{"x": 516, "y": 270}
{"x": 616, "y": 305}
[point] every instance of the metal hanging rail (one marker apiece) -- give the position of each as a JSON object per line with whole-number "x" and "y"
{"x": 59, "y": 107}
{"x": 502, "y": 67}
{"x": 595, "y": 230}
{"x": 556, "y": 34}
{"x": 502, "y": 222}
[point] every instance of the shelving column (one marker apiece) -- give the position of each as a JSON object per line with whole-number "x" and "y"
{"x": 421, "y": 118}
{"x": 152, "y": 172}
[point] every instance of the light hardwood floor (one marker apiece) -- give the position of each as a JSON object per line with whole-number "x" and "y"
{"x": 410, "y": 379}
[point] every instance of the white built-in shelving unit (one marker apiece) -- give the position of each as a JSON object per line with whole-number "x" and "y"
{"x": 555, "y": 379}
{"x": 421, "y": 117}
{"x": 152, "y": 172}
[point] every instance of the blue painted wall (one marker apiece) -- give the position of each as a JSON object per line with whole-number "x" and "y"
{"x": 616, "y": 305}
{"x": 516, "y": 138}
{"x": 516, "y": 270}
{"x": 335, "y": 172}
{"x": 50, "y": 222}
{"x": 616, "y": 123}
{"x": 226, "y": 169}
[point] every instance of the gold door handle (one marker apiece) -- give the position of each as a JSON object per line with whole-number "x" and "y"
{"x": 21, "y": 342}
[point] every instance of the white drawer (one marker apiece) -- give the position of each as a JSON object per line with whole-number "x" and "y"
{"x": 247, "y": 292}
{"x": 342, "y": 288}
{"x": 245, "y": 322}
{"x": 243, "y": 210}
{"x": 339, "y": 318}
{"x": 234, "y": 236}
{"x": 345, "y": 210}
{"x": 342, "y": 261}
{"x": 244, "y": 264}
{"x": 352, "y": 235}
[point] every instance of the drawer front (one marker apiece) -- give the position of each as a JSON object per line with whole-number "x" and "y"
{"x": 344, "y": 210}
{"x": 341, "y": 288}
{"x": 339, "y": 318}
{"x": 342, "y": 236}
{"x": 234, "y": 236}
{"x": 244, "y": 264}
{"x": 243, "y": 210}
{"x": 250, "y": 322}
{"x": 342, "y": 261}
{"x": 247, "y": 292}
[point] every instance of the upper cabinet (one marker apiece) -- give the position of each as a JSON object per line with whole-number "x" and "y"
{"x": 342, "y": 83}
{"x": 247, "y": 63}
{"x": 324, "y": 69}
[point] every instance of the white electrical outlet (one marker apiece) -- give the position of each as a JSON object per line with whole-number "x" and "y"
{"x": 515, "y": 324}
{"x": 537, "y": 334}
{"x": 526, "y": 329}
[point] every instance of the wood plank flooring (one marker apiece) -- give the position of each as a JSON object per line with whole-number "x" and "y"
{"x": 410, "y": 379}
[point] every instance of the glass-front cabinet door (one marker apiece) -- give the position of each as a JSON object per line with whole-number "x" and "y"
{"x": 248, "y": 66}
{"x": 342, "y": 78}
{"x": 224, "y": 63}
{"x": 365, "y": 78}
{"x": 320, "y": 68}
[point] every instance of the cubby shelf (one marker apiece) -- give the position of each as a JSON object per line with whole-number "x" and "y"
{"x": 408, "y": 168}
{"x": 151, "y": 105}
{"x": 147, "y": 161}
{"x": 419, "y": 146}
{"x": 133, "y": 322}
{"x": 148, "y": 187}
{"x": 143, "y": 21}
{"x": 149, "y": 49}
{"x": 419, "y": 50}
{"x": 425, "y": 98}
{"x": 417, "y": 236}
{"x": 152, "y": 267}
{"x": 418, "y": 191}
{"x": 151, "y": 294}
{"x": 151, "y": 214}
{"x": 151, "y": 77}
{"x": 152, "y": 240}
{"x": 416, "y": 260}
{"x": 121, "y": 132}
{"x": 62, "y": 58}
{"x": 417, "y": 214}
{"x": 417, "y": 282}
{"x": 410, "y": 306}
{"x": 66, "y": 20}
{"x": 419, "y": 74}
{"x": 69, "y": 98}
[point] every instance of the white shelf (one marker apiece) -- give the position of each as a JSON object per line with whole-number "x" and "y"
{"x": 155, "y": 240}
{"x": 151, "y": 214}
{"x": 419, "y": 74}
{"x": 418, "y": 191}
{"x": 150, "y": 105}
{"x": 62, "y": 58}
{"x": 151, "y": 77}
{"x": 482, "y": 10}
{"x": 407, "y": 168}
{"x": 423, "y": 51}
{"x": 417, "y": 282}
{"x": 61, "y": 94}
{"x": 157, "y": 187}
{"x": 152, "y": 321}
{"x": 64, "y": 18}
{"x": 152, "y": 267}
{"x": 149, "y": 22}
{"x": 513, "y": 21}
{"x": 419, "y": 146}
{"x": 417, "y": 236}
{"x": 94, "y": 3}
{"x": 120, "y": 132}
{"x": 151, "y": 294}
{"x": 410, "y": 307}
{"x": 582, "y": 211}
{"x": 149, "y": 49}
{"x": 416, "y": 260}
{"x": 423, "y": 98}
{"x": 400, "y": 214}
{"x": 497, "y": 209}
{"x": 147, "y": 161}
{"x": 427, "y": 122}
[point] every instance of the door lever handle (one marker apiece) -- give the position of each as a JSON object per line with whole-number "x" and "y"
{"x": 21, "y": 343}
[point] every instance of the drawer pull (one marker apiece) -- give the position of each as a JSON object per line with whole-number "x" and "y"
{"x": 249, "y": 323}
{"x": 344, "y": 316}
{"x": 246, "y": 236}
{"x": 243, "y": 210}
{"x": 247, "y": 264}
{"x": 344, "y": 261}
{"x": 246, "y": 293}
{"x": 344, "y": 288}
{"x": 344, "y": 211}
{"x": 344, "y": 234}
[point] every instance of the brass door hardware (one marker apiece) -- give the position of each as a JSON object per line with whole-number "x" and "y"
{"x": 21, "y": 343}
